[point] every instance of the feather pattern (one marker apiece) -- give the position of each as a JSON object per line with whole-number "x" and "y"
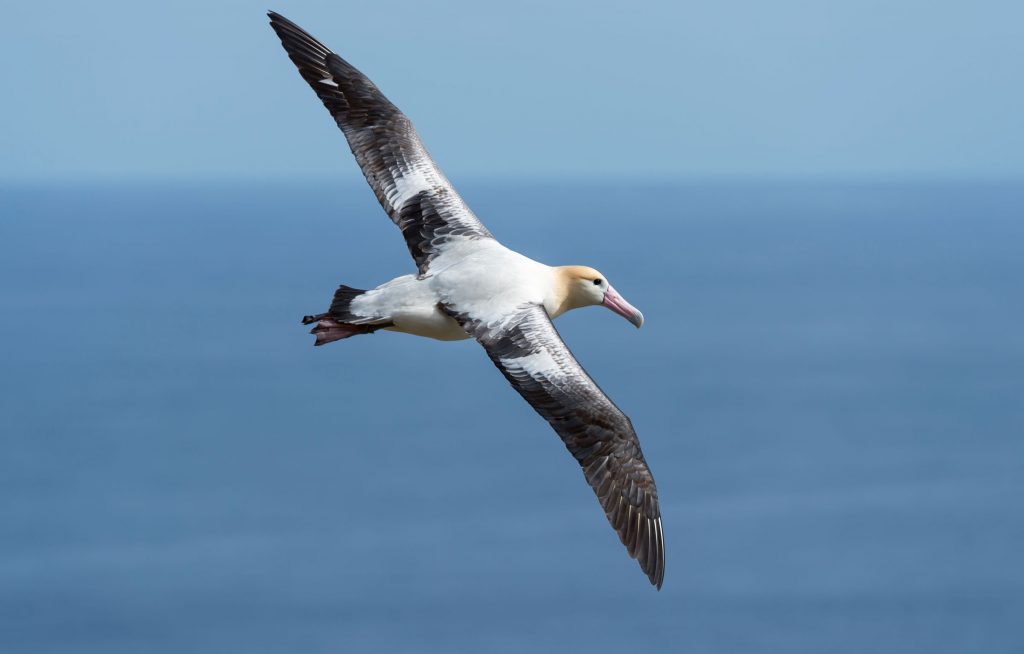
{"x": 532, "y": 356}
{"x": 408, "y": 184}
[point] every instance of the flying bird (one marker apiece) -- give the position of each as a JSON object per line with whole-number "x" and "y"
{"x": 468, "y": 285}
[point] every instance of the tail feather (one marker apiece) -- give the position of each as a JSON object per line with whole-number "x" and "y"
{"x": 340, "y": 322}
{"x": 342, "y": 299}
{"x": 328, "y": 330}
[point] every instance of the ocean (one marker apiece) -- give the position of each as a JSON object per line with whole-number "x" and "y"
{"x": 829, "y": 389}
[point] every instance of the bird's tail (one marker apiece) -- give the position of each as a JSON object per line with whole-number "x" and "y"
{"x": 328, "y": 330}
{"x": 339, "y": 322}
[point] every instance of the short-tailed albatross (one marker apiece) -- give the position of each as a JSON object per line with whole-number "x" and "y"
{"x": 468, "y": 285}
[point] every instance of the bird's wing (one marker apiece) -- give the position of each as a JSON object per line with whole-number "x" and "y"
{"x": 409, "y": 185}
{"x": 528, "y": 350}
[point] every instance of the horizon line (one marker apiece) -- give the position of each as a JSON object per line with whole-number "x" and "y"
{"x": 538, "y": 179}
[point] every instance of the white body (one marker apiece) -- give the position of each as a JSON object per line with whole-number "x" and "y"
{"x": 481, "y": 276}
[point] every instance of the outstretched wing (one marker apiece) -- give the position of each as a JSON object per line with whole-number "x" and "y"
{"x": 411, "y": 188}
{"x": 529, "y": 352}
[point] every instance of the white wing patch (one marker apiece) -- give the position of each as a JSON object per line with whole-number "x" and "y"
{"x": 329, "y": 81}
{"x": 538, "y": 365}
{"x": 408, "y": 184}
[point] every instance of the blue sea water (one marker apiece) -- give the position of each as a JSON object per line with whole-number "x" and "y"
{"x": 829, "y": 389}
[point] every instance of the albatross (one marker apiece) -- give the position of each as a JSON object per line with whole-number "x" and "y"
{"x": 469, "y": 285}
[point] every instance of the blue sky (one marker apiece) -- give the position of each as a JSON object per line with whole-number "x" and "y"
{"x": 740, "y": 87}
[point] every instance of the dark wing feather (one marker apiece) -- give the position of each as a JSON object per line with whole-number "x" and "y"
{"x": 529, "y": 352}
{"x": 411, "y": 188}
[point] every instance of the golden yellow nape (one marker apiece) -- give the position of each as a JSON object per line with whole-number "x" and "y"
{"x": 569, "y": 292}
{"x": 574, "y": 273}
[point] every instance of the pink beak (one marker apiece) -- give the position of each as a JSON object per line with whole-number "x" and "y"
{"x": 618, "y": 304}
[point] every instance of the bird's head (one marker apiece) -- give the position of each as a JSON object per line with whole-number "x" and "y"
{"x": 586, "y": 287}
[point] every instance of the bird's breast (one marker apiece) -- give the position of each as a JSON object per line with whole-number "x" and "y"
{"x": 490, "y": 283}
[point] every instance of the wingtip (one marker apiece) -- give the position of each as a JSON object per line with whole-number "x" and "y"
{"x": 278, "y": 22}
{"x": 657, "y": 575}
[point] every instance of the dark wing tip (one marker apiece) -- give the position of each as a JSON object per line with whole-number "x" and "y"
{"x": 649, "y": 550}
{"x": 351, "y": 98}
{"x": 295, "y": 38}
{"x": 637, "y": 521}
{"x": 656, "y": 561}
{"x": 278, "y": 19}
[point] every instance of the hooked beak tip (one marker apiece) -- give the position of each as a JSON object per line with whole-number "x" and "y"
{"x": 618, "y": 304}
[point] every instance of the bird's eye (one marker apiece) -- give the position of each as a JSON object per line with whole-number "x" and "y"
{"x": 598, "y": 282}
